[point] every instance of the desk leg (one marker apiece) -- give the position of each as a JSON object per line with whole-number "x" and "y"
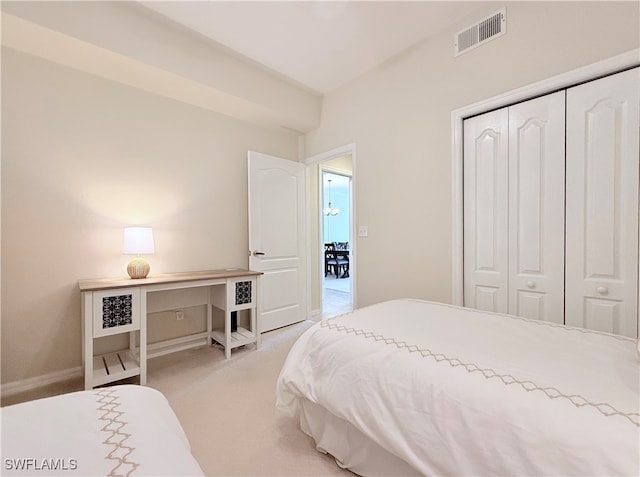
{"x": 254, "y": 325}
{"x": 209, "y": 322}
{"x": 227, "y": 334}
{"x": 143, "y": 337}
{"x": 256, "y": 312}
{"x": 87, "y": 342}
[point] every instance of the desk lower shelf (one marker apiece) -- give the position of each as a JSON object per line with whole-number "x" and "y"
{"x": 237, "y": 338}
{"x": 114, "y": 367}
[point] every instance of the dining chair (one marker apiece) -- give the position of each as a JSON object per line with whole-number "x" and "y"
{"x": 330, "y": 262}
{"x": 342, "y": 259}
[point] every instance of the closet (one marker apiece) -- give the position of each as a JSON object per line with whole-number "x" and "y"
{"x": 550, "y": 200}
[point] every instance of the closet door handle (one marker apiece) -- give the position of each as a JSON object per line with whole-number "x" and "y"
{"x": 531, "y": 284}
{"x": 602, "y": 290}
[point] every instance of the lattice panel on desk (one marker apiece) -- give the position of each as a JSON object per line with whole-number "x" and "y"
{"x": 117, "y": 311}
{"x": 243, "y": 293}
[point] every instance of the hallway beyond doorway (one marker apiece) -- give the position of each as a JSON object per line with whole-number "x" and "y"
{"x": 336, "y": 293}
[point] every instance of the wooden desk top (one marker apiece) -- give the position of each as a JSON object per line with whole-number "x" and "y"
{"x": 121, "y": 282}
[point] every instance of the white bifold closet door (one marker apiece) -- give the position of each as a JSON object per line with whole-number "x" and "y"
{"x": 602, "y": 204}
{"x": 513, "y": 209}
{"x": 536, "y": 214}
{"x": 486, "y": 152}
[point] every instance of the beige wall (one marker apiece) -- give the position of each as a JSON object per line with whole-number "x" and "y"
{"x": 82, "y": 157}
{"x": 399, "y": 116}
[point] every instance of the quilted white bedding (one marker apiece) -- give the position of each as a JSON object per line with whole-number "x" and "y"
{"x": 122, "y": 430}
{"x": 455, "y": 391}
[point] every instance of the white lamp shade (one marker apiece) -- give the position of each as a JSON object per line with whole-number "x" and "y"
{"x": 138, "y": 240}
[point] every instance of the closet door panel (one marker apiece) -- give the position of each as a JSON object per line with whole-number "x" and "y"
{"x": 536, "y": 208}
{"x": 602, "y": 315}
{"x": 602, "y": 204}
{"x": 485, "y": 211}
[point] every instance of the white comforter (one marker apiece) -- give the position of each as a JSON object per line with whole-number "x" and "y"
{"x": 121, "y": 430}
{"x": 454, "y": 391}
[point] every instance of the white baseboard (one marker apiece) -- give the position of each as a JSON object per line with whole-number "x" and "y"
{"x": 315, "y": 313}
{"x": 24, "y": 385}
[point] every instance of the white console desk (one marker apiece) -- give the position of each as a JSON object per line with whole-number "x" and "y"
{"x": 112, "y": 306}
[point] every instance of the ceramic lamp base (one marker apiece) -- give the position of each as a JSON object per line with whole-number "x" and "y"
{"x": 138, "y": 268}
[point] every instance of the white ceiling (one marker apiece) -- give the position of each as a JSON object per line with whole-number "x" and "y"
{"x": 319, "y": 44}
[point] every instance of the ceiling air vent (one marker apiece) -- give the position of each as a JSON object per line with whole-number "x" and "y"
{"x": 486, "y": 29}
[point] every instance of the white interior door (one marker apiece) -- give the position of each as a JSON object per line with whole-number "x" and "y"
{"x": 536, "y": 208}
{"x": 486, "y": 150}
{"x": 602, "y": 204}
{"x": 277, "y": 205}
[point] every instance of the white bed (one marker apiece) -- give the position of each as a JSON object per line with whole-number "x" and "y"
{"x": 121, "y": 430}
{"x": 412, "y": 387}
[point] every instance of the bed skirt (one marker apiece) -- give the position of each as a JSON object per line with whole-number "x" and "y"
{"x": 351, "y": 448}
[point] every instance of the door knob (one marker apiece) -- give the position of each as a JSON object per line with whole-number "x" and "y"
{"x": 531, "y": 284}
{"x": 602, "y": 290}
{"x": 255, "y": 253}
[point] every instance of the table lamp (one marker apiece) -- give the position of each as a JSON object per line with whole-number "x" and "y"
{"x": 138, "y": 240}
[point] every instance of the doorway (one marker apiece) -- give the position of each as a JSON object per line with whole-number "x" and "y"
{"x": 335, "y": 188}
{"x": 336, "y": 294}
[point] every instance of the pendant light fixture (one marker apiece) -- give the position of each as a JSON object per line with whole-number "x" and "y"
{"x": 329, "y": 211}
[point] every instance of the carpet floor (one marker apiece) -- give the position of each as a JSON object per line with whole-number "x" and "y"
{"x": 227, "y": 409}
